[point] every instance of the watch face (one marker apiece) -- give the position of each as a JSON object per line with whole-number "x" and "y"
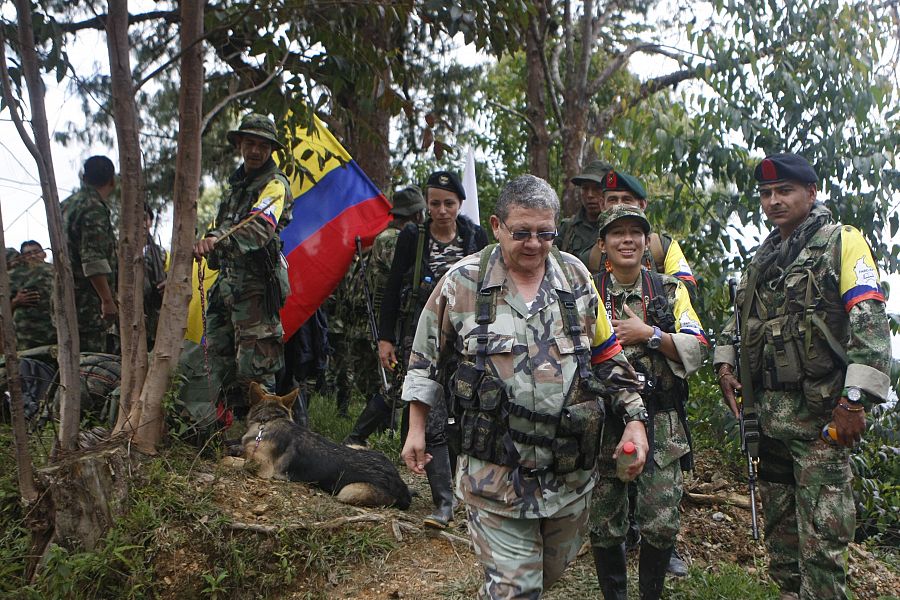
{"x": 654, "y": 343}
{"x": 854, "y": 394}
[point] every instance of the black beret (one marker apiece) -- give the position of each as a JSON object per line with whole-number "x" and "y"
{"x": 785, "y": 167}
{"x": 446, "y": 180}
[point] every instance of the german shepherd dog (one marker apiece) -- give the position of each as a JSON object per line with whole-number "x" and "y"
{"x": 275, "y": 447}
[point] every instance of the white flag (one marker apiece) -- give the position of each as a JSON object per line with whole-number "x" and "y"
{"x": 470, "y": 204}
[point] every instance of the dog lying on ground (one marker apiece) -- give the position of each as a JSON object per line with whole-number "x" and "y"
{"x": 275, "y": 447}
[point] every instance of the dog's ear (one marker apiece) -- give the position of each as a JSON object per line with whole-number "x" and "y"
{"x": 257, "y": 394}
{"x": 288, "y": 399}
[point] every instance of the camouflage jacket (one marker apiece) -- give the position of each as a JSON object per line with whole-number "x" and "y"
{"x": 34, "y": 324}
{"x": 670, "y": 439}
{"x": 531, "y": 352}
{"x": 91, "y": 239}
{"x": 831, "y": 286}
{"x": 380, "y": 260}
{"x": 266, "y": 194}
{"x": 577, "y": 235}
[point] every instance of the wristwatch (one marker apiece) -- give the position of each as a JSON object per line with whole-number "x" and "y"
{"x": 853, "y": 394}
{"x": 655, "y": 340}
{"x": 641, "y": 416}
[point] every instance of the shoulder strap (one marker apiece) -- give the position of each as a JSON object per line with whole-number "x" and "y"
{"x": 417, "y": 265}
{"x": 659, "y": 247}
{"x": 485, "y": 308}
{"x": 657, "y": 301}
{"x": 569, "y": 310}
{"x": 748, "y": 396}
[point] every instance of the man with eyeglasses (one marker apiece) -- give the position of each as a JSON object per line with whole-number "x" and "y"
{"x": 31, "y": 285}
{"x": 520, "y": 329}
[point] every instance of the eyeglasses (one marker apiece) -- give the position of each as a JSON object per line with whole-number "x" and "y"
{"x": 523, "y": 236}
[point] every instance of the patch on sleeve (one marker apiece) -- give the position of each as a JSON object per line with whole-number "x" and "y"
{"x": 859, "y": 276}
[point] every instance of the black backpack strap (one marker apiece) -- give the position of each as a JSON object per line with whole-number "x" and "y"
{"x": 485, "y": 308}
{"x": 569, "y": 310}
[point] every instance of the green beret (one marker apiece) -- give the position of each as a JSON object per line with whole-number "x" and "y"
{"x": 616, "y": 180}
{"x": 621, "y": 211}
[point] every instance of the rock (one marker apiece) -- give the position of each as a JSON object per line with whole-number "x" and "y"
{"x": 718, "y": 517}
{"x": 260, "y": 509}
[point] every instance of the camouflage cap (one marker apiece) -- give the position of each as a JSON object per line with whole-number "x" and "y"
{"x": 621, "y": 211}
{"x": 256, "y": 125}
{"x": 408, "y": 201}
{"x": 594, "y": 172}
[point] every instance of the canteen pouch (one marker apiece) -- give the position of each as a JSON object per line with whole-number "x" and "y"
{"x": 583, "y": 423}
{"x": 783, "y": 366}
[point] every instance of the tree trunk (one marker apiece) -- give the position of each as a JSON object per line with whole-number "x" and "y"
{"x": 173, "y": 314}
{"x": 535, "y": 100}
{"x": 24, "y": 466}
{"x": 64, "y": 290}
{"x": 132, "y": 233}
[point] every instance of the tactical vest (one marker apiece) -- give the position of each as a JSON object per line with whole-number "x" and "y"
{"x": 483, "y": 405}
{"x": 265, "y": 268}
{"x": 660, "y": 393}
{"x": 797, "y": 344}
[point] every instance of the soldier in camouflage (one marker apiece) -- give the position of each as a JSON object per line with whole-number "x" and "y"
{"x": 31, "y": 287}
{"x": 408, "y": 207}
{"x": 155, "y": 262}
{"x": 662, "y": 338}
{"x": 525, "y": 329}
{"x": 91, "y": 242}
{"x": 814, "y": 348}
{"x": 243, "y": 325}
{"x": 578, "y": 233}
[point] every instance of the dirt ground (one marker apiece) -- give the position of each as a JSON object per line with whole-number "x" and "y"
{"x": 426, "y": 565}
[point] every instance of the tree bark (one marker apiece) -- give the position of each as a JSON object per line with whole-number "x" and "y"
{"x": 173, "y": 314}
{"x": 535, "y": 102}
{"x": 64, "y": 290}
{"x": 132, "y": 234}
{"x": 24, "y": 465}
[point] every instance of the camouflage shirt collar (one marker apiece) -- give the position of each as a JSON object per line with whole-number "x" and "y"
{"x": 496, "y": 273}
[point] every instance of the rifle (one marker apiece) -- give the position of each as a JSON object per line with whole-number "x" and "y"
{"x": 749, "y": 423}
{"x": 373, "y": 323}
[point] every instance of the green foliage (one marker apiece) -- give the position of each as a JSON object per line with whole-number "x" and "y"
{"x": 727, "y": 581}
{"x": 876, "y": 483}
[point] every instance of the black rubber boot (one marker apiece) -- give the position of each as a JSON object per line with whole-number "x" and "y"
{"x": 440, "y": 479}
{"x": 612, "y": 574}
{"x": 652, "y": 570}
{"x": 371, "y": 419}
{"x": 677, "y": 567}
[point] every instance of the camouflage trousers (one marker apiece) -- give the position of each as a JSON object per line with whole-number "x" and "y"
{"x": 93, "y": 330}
{"x": 354, "y": 364}
{"x": 244, "y": 344}
{"x": 809, "y": 514}
{"x": 659, "y": 489}
{"x": 523, "y": 557}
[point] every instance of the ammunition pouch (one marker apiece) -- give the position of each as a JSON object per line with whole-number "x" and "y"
{"x": 478, "y": 399}
{"x": 580, "y": 423}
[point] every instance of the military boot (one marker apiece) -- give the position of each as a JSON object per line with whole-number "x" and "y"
{"x": 677, "y": 567}
{"x": 652, "y": 570}
{"x": 371, "y": 419}
{"x": 440, "y": 479}
{"x": 612, "y": 574}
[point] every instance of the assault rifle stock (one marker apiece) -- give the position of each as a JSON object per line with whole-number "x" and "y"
{"x": 370, "y": 311}
{"x": 748, "y": 421}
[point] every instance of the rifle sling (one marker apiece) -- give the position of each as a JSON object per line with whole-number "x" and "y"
{"x": 748, "y": 397}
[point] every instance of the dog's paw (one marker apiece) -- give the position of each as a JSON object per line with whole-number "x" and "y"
{"x": 232, "y": 462}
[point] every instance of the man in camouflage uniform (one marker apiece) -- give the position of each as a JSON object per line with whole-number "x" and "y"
{"x": 662, "y": 338}
{"x": 31, "y": 287}
{"x": 578, "y": 233}
{"x": 243, "y": 325}
{"x": 814, "y": 348}
{"x": 91, "y": 242}
{"x": 409, "y": 207}
{"x": 155, "y": 263}
{"x": 525, "y": 328}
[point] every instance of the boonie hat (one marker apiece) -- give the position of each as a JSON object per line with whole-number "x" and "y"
{"x": 595, "y": 172}
{"x": 408, "y": 201}
{"x": 446, "y": 180}
{"x": 256, "y": 125}
{"x": 616, "y": 180}
{"x": 785, "y": 167}
{"x": 618, "y": 212}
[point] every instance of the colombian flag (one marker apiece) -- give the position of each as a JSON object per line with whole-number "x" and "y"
{"x": 334, "y": 203}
